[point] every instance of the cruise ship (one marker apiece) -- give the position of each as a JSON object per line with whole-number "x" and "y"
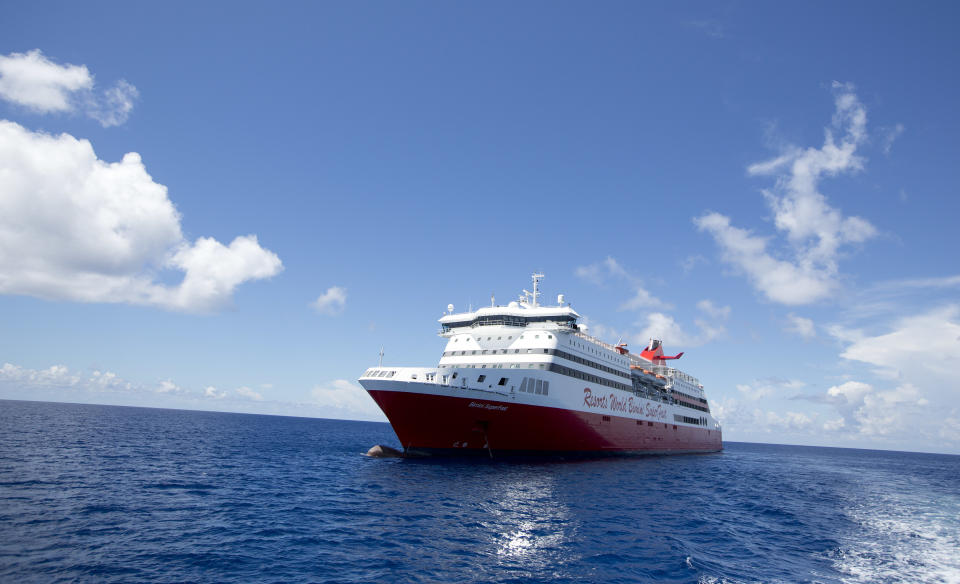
{"x": 527, "y": 379}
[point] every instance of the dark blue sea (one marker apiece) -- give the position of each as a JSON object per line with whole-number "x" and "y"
{"x": 114, "y": 494}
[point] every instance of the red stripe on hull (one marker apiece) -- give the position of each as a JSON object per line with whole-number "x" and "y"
{"x": 446, "y": 423}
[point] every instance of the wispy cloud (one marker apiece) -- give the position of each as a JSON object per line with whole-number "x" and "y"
{"x": 800, "y": 326}
{"x": 33, "y": 81}
{"x": 342, "y": 398}
{"x": 711, "y": 309}
{"x": 763, "y": 388}
{"x": 897, "y": 298}
{"x": 889, "y": 135}
{"x": 923, "y": 344}
{"x": 712, "y": 28}
{"x": 815, "y": 231}
{"x": 599, "y": 273}
{"x": 691, "y": 261}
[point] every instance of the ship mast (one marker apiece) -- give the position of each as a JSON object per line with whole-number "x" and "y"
{"x": 537, "y": 276}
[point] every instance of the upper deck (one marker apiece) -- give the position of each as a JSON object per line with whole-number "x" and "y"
{"x": 514, "y": 314}
{"x": 524, "y": 334}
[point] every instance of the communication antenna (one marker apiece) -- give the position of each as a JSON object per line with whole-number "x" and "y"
{"x": 380, "y": 363}
{"x": 537, "y": 276}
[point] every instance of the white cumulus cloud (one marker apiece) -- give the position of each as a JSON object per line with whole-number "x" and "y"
{"x": 33, "y": 81}
{"x": 887, "y": 412}
{"x": 815, "y": 231}
{"x": 835, "y": 424}
{"x": 74, "y": 227}
{"x": 659, "y": 325}
{"x": 664, "y": 327}
{"x": 52, "y": 377}
{"x": 331, "y": 302}
{"x": 852, "y": 392}
{"x": 214, "y": 393}
{"x": 169, "y": 387}
{"x": 248, "y": 393}
{"x": 739, "y": 417}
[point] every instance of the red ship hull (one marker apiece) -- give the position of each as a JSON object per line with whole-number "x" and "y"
{"x": 455, "y": 425}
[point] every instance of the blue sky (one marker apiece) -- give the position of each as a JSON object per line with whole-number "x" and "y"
{"x": 769, "y": 188}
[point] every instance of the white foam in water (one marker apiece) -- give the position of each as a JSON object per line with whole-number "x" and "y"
{"x": 903, "y": 537}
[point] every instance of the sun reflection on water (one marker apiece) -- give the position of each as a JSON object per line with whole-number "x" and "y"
{"x": 529, "y": 522}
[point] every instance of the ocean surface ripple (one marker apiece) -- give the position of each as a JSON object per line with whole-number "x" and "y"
{"x": 115, "y": 494}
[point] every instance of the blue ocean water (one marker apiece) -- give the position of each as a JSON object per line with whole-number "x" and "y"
{"x": 114, "y": 494}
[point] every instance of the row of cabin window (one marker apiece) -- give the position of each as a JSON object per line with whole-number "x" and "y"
{"x": 484, "y": 352}
{"x": 501, "y": 338}
{"x": 640, "y": 423}
{"x": 570, "y": 372}
{"x": 562, "y": 370}
{"x": 665, "y": 425}
{"x": 595, "y": 351}
{"x": 495, "y": 366}
{"x": 537, "y": 386}
{"x": 692, "y": 406}
{"x": 457, "y": 340}
{"x": 549, "y": 336}
{"x": 381, "y": 373}
{"x": 582, "y": 361}
{"x": 689, "y": 420}
{"x": 572, "y": 343}
{"x": 482, "y": 378}
{"x": 508, "y": 320}
{"x": 557, "y": 352}
{"x": 688, "y": 396}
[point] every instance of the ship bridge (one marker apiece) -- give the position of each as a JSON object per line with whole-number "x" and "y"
{"x": 514, "y": 315}
{"x": 527, "y": 311}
